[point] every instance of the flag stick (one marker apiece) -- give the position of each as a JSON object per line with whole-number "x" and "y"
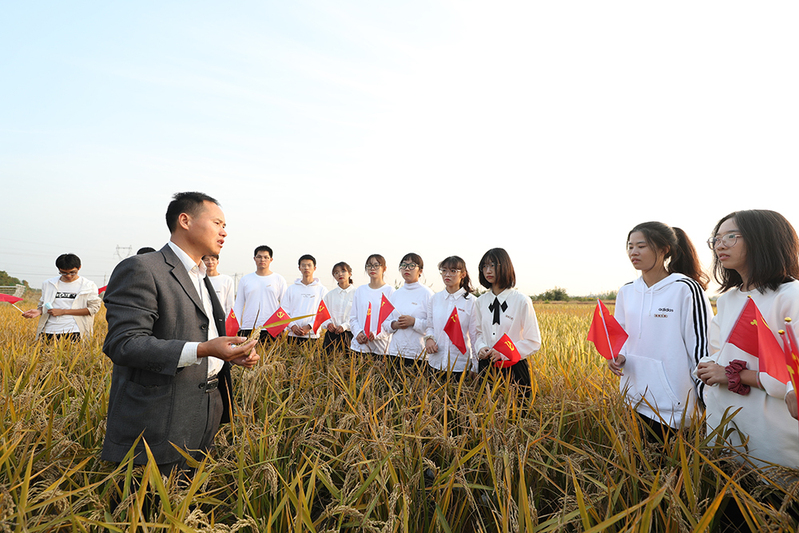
{"x": 607, "y": 335}
{"x": 17, "y": 308}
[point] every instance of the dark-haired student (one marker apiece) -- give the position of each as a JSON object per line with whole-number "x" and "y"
{"x": 338, "y": 301}
{"x": 407, "y": 323}
{"x": 442, "y": 355}
{"x": 371, "y": 340}
{"x": 303, "y": 298}
{"x": 666, "y": 314}
{"x": 757, "y": 257}
{"x": 259, "y": 295}
{"x": 504, "y": 310}
{"x": 68, "y": 303}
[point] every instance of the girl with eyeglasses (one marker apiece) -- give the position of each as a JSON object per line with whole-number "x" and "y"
{"x": 757, "y": 257}
{"x": 502, "y": 310}
{"x": 373, "y": 341}
{"x": 407, "y": 323}
{"x": 666, "y": 314}
{"x": 444, "y": 357}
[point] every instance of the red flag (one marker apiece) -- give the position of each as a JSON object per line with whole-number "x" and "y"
{"x": 322, "y": 314}
{"x": 454, "y": 331}
{"x": 606, "y": 333}
{"x": 9, "y": 298}
{"x": 385, "y": 310}
{"x": 231, "y": 324}
{"x": 277, "y": 322}
{"x": 367, "y": 324}
{"x": 506, "y": 347}
{"x": 102, "y": 289}
{"x": 791, "y": 355}
{"x": 752, "y": 335}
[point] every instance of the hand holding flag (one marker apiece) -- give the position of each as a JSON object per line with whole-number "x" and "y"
{"x": 506, "y": 347}
{"x": 752, "y": 334}
{"x": 606, "y": 333}
{"x": 367, "y": 324}
{"x": 792, "y": 364}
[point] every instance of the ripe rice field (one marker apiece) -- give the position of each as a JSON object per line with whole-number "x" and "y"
{"x": 343, "y": 443}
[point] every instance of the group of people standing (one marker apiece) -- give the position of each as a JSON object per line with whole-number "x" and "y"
{"x": 677, "y": 357}
{"x": 415, "y": 330}
{"x": 166, "y": 314}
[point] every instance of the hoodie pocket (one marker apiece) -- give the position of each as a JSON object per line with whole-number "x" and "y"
{"x": 645, "y": 378}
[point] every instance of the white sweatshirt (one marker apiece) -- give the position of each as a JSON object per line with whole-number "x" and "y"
{"x": 763, "y": 417}
{"x": 364, "y": 295}
{"x": 411, "y": 299}
{"x": 667, "y": 325}
{"x": 300, "y": 300}
{"x": 439, "y": 309}
{"x": 258, "y": 298}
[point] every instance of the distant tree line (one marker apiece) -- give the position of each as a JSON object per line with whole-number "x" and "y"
{"x": 6, "y": 279}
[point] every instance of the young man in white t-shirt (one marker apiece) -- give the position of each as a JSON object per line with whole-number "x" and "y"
{"x": 302, "y": 298}
{"x": 223, "y": 284}
{"x": 68, "y": 303}
{"x": 259, "y": 294}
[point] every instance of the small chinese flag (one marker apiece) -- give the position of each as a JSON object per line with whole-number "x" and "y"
{"x": 322, "y": 315}
{"x": 606, "y": 333}
{"x": 231, "y": 324}
{"x": 277, "y": 322}
{"x": 102, "y": 289}
{"x": 367, "y": 324}
{"x": 752, "y": 335}
{"x": 791, "y": 354}
{"x": 385, "y": 310}
{"x": 454, "y": 331}
{"x": 506, "y": 347}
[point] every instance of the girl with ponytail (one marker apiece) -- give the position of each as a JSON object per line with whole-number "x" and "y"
{"x": 666, "y": 314}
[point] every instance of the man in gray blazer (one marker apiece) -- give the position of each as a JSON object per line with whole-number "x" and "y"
{"x": 166, "y": 336}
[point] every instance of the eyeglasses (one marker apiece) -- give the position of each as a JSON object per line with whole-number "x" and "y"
{"x": 489, "y": 266}
{"x": 373, "y": 266}
{"x": 728, "y": 241}
{"x": 70, "y": 273}
{"x": 408, "y": 266}
{"x": 450, "y": 271}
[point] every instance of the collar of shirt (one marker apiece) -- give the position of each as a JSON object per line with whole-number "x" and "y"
{"x": 455, "y": 295}
{"x": 503, "y": 296}
{"x": 187, "y": 261}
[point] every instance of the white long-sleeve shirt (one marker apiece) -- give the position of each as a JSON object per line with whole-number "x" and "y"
{"x": 301, "y": 300}
{"x": 667, "y": 325}
{"x": 411, "y": 299}
{"x": 439, "y": 309}
{"x": 364, "y": 295}
{"x": 517, "y": 319}
{"x": 258, "y": 296}
{"x": 772, "y": 433}
{"x": 339, "y": 305}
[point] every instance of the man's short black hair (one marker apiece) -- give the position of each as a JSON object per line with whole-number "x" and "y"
{"x": 145, "y": 250}
{"x": 67, "y": 262}
{"x": 307, "y": 257}
{"x": 263, "y": 248}
{"x": 190, "y": 203}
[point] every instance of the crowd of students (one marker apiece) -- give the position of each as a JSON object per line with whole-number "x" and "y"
{"x": 675, "y": 362}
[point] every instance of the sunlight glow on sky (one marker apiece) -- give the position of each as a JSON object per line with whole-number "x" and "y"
{"x": 348, "y": 128}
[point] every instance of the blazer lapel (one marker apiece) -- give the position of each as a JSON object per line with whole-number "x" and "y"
{"x": 180, "y": 274}
{"x": 219, "y": 313}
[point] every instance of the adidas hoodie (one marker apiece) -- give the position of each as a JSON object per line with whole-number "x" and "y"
{"x": 667, "y": 325}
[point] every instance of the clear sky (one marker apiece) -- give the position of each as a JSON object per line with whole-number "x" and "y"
{"x": 346, "y": 128}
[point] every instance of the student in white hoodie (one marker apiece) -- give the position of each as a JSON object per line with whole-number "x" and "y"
{"x": 407, "y": 323}
{"x": 666, "y": 314}
{"x": 757, "y": 257}
{"x": 302, "y": 298}
{"x": 366, "y": 303}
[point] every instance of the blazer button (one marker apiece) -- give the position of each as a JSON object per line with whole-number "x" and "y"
{"x": 203, "y": 327}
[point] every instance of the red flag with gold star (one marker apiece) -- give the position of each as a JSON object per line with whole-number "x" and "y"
{"x": 506, "y": 347}
{"x": 322, "y": 315}
{"x": 454, "y": 331}
{"x": 231, "y": 324}
{"x": 367, "y": 324}
{"x": 385, "y": 310}
{"x": 277, "y": 322}
{"x": 752, "y": 334}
